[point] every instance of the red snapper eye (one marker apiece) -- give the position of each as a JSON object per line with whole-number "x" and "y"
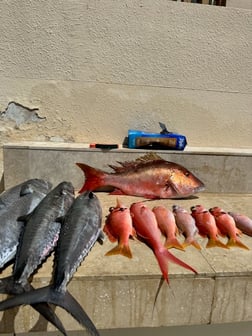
{"x": 111, "y": 209}
{"x": 167, "y": 186}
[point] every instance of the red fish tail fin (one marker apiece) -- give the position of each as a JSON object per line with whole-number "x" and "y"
{"x": 215, "y": 243}
{"x": 178, "y": 261}
{"x": 94, "y": 178}
{"x": 192, "y": 242}
{"x": 173, "y": 243}
{"x": 163, "y": 256}
{"x": 235, "y": 242}
{"x": 124, "y": 250}
{"x": 162, "y": 260}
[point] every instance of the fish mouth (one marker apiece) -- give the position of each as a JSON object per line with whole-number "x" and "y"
{"x": 200, "y": 188}
{"x": 180, "y": 193}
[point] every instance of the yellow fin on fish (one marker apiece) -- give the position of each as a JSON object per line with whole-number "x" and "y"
{"x": 124, "y": 250}
{"x": 193, "y": 243}
{"x": 237, "y": 243}
{"x": 173, "y": 243}
{"x": 216, "y": 243}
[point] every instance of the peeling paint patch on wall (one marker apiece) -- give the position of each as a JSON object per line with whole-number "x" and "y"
{"x": 21, "y": 114}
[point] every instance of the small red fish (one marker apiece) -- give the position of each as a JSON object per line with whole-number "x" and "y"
{"x": 149, "y": 176}
{"x": 243, "y": 222}
{"x": 186, "y": 225}
{"x": 167, "y": 225}
{"x": 118, "y": 227}
{"x": 145, "y": 224}
{"x": 226, "y": 225}
{"x": 206, "y": 225}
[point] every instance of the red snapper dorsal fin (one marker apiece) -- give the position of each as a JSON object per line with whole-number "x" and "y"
{"x": 126, "y": 165}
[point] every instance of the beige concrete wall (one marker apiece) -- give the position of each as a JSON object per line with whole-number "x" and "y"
{"x": 246, "y": 4}
{"x": 95, "y": 69}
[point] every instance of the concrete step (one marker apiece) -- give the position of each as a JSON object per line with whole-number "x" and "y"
{"x": 223, "y": 170}
{"x": 227, "y": 329}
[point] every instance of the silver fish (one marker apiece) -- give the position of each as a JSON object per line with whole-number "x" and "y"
{"x": 37, "y": 240}
{"x": 81, "y": 228}
{"x": 14, "y": 193}
{"x": 10, "y": 227}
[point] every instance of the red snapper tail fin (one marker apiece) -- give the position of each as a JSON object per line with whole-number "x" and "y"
{"x": 94, "y": 178}
{"x": 163, "y": 256}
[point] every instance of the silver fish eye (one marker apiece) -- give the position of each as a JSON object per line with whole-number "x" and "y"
{"x": 91, "y": 195}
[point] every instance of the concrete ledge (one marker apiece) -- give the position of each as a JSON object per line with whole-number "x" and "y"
{"x": 120, "y": 293}
{"x": 222, "y": 170}
{"x": 227, "y": 329}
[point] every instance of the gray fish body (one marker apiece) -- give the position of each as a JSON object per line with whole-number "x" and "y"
{"x": 187, "y": 226}
{"x": 81, "y": 228}
{"x": 185, "y": 222}
{"x": 189, "y": 230}
{"x": 14, "y": 193}
{"x": 37, "y": 240}
{"x": 41, "y": 231}
{"x": 10, "y": 227}
{"x": 242, "y": 222}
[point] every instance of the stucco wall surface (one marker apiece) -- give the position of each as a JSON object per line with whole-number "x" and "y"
{"x": 95, "y": 69}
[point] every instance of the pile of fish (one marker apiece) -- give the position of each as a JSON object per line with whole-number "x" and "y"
{"x": 149, "y": 225}
{"x": 34, "y": 221}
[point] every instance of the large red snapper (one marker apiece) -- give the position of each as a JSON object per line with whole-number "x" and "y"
{"x": 145, "y": 224}
{"x": 186, "y": 225}
{"x": 149, "y": 176}
{"x": 206, "y": 225}
{"x": 167, "y": 225}
{"x": 118, "y": 227}
{"x": 226, "y": 225}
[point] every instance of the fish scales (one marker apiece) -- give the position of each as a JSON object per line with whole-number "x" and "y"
{"x": 81, "y": 228}
{"x": 29, "y": 256}
{"x": 243, "y": 222}
{"x": 147, "y": 177}
{"x": 206, "y": 225}
{"x": 145, "y": 224}
{"x": 167, "y": 225}
{"x": 226, "y": 225}
{"x": 118, "y": 227}
{"x": 10, "y": 227}
{"x": 13, "y": 194}
{"x": 186, "y": 225}
{"x": 41, "y": 230}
